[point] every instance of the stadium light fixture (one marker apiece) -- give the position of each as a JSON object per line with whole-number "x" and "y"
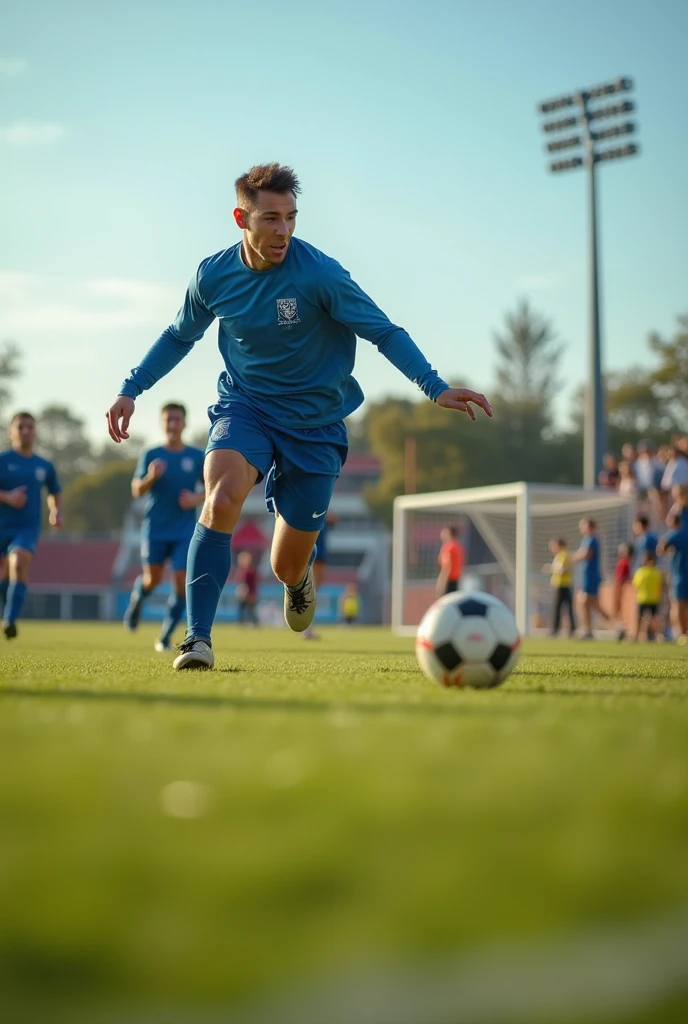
{"x": 587, "y": 138}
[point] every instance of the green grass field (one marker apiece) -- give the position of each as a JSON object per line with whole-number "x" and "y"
{"x": 314, "y": 826}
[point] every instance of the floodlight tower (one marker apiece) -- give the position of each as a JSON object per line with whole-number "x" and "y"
{"x": 589, "y": 156}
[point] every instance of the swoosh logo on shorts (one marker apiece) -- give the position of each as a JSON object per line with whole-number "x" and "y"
{"x": 316, "y": 515}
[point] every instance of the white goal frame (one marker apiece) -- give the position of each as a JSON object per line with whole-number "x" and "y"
{"x": 525, "y": 496}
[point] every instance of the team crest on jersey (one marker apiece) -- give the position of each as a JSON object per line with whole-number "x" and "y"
{"x": 40, "y": 474}
{"x": 221, "y": 429}
{"x": 287, "y": 312}
{"x": 187, "y": 464}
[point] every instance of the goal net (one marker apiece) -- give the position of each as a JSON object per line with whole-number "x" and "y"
{"x": 505, "y": 532}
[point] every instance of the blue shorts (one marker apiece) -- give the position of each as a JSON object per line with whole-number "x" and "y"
{"x": 157, "y": 552}
{"x": 591, "y": 587}
{"x": 300, "y": 467}
{"x": 679, "y": 590}
{"x": 25, "y": 537}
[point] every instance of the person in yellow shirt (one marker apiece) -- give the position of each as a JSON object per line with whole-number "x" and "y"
{"x": 648, "y": 582}
{"x": 350, "y": 605}
{"x": 562, "y": 580}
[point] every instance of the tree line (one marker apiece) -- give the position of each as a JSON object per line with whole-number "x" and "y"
{"x": 522, "y": 442}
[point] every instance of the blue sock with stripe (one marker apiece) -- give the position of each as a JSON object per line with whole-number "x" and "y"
{"x": 207, "y": 568}
{"x": 4, "y": 587}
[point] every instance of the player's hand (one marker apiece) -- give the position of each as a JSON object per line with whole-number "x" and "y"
{"x": 55, "y": 519}
{"x": 121, "y": 409}
{"x": 188, "y": 499}
{"x": 462, "y": 399}
{"x": 156, "y": 469}
{"x": 17, "y": 497}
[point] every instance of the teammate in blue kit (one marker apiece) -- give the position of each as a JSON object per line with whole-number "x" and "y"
{"x": 589, "y": 554}
{"x": 23, "y": 475}
{"x": 288, "y": 320}
{"x": 676, "y": 544}
{"x": 168, "y": 476}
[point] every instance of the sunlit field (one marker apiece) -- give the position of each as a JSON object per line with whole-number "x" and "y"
{"x": 314, "y": 833}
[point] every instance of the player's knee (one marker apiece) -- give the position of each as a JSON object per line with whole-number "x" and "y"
{"x": 222, "y": 503}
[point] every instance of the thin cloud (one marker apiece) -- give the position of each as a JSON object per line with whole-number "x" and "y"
{"x": 12, "y": 65}
{"x": 31, "y": 133}
{"x": 33, "y": 304}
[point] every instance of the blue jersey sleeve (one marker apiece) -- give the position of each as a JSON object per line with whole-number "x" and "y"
{"x": 347, "y": 303}
{"x": 51, "y": 481}
{"x": 193, "y": 320}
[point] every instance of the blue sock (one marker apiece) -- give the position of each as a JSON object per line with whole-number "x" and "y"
{"x": 139, "y": 591}
{"x": 15, "y": 600}
{"x": 175, "y": 610}
{"x": 4, "y": 587}
{"x": 207, "y": 568}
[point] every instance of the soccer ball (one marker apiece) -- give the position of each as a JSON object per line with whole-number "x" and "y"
{"x": 468, "y": 639}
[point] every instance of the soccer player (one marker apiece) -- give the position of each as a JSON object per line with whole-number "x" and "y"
{"x": 589, "y": 554}
{"x": 23, "y": 475}
{"x": 288, "y": 320}
{"x": 676, "y": 543}
{"x": 648, "y": 581}
{"x": 645, "y": 539}
{"x": 168, "y": 475}
{"x": 562, "y": 580}
{"x": 450, "y": 561}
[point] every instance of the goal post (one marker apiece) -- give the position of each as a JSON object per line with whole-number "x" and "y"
{"x": 505, "y": 531}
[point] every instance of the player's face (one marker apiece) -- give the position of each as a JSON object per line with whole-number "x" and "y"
{"x": 268, "y": 228}
{"x": 173, "y": 424}
{"x": 23, "y": 433}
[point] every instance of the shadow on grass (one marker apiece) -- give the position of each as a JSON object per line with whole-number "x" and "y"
{"x": 326, "y": 706}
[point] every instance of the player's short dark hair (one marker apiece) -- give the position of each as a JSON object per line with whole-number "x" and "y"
{"x": 174, "y": 405}
{"x": 650, "y": 556}
{"x": 23, "y": 416}
{"x": 268, "y": 178}
{"x": 643, "y": 521}
{"x": 561, "y": 542}
{"x": 590, "y": 523}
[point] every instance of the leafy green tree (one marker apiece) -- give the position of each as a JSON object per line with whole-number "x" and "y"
{"x": 97, "y": 502}
{"x": 62, "y": 439}
{"x": 670, "y": 379}
{"x": 527, "y": 381}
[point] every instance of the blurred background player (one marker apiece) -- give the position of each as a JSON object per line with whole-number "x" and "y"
{"x": 648, "y": 582}
{"x": 169, "y": 476}
{"x": 350, "y": 605}
{"x": 676, "y": 544}
{"x": 645, "y": 540}
{"x": 23, "y": 475}
{"x": 247, "y": 589}
{"x": 561, "y": 569}
{"x": 320, "y": 565}
{"x": 450, "y": 561}
{"x": 622, "y": 579}
{"x": 589, "y": 554}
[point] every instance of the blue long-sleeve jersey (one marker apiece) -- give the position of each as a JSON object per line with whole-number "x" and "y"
{"x": 287, "y": 336}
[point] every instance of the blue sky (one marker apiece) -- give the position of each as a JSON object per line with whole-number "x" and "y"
{"x": 414, "y": 132}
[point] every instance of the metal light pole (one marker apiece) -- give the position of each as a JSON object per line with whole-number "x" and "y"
{"x": 589, "y": 155}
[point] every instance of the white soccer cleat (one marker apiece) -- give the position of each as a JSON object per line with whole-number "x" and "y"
{"x": 194, "y": 654}
{"x": 299, "y": 603}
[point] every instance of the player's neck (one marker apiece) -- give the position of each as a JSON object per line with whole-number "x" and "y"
{"x": 251, "y": 259}
{"x": 175, "y": 446}
{"x": 23, "y": 450}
